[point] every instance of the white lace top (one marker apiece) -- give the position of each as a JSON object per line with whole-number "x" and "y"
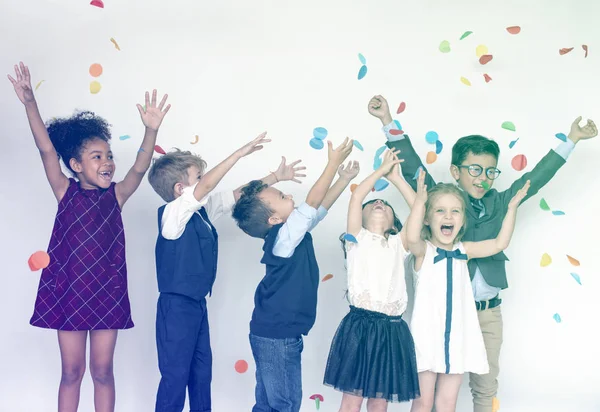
{"x": 376, "y": 273}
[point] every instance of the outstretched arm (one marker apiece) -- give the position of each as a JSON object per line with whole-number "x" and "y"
{"x": 283, "y": 173}
{"x": 57, "y": 179}
{"x": 414, "y": 223}
{"x": 346, "y": 175}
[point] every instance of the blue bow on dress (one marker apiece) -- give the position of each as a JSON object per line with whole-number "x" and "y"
{"x": 445, "y": 254}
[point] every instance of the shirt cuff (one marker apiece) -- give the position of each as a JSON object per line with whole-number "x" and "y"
{"x": 190, "y": 200}
{"x": 565, "y": 148}
{"x": 390, "y": 137}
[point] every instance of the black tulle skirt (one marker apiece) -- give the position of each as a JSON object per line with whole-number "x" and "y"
{"x": 373, "y": 356}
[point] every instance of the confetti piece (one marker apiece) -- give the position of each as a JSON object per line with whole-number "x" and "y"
{"x": 196, "y": 139}
{"x": 546, "y": 260}
{"x": 362, "y": 72}
{"x": 398, "y": 125}
{"x": 561, "y": 136}
{"x": 95, "y": 70}
{"x": 445, "y": 46}
{"x": 557, "y": 318}
{"x": 431, "y": 157}
{"x": 241, "y": 366}
{"x": 438, "y": 147}
{"x": 37, "y": 86}
{"x": 544, "y": 205}
{"x": 97, "y": 3}
{"x": 416, "y": 176}
{"x": 513, "y": 143}
{"x": 513, "y": 29}
{"x": 576, "y": 277}
{"x": 485, "y": 185}
{"x": 380, "y": 185}
{"x": 509, "y": 126}
{"x": 327, "y": 277}
{"x": 352, "y": 187}
{"x": 465, "y": 35}
{"x": 316, "y": 143}
{"x": 159, "y": 149}
{"x": 487, "y": 77}
{"x": 485, "y": 59}
{"x": 558, "y": 213}
{"x": 38, "y": 260}
{"x": 349, "y": 238}
{"x": 465, "y": 81}
{"x": 481, "y": 50}
{"x": 519, "y": 162}
{"x": 565, "y": 50}
{"x": 362, "y": 59}
{"x": 585, "y": 48}
{"x": 396, "y": 132}
{"x": 377, "y": 160}
{"x": 113, "y": 41}
{"x": 573, "y": 261}
{"x": 320, "y": 133}
{"x": 358, "y": 145}
{"x": 124, "y": 137}
{"x": 401, "y": 108}
{"x": 431, "y": 137}
{"x": 318, "y": 399}
{"x": 95, "y": 87}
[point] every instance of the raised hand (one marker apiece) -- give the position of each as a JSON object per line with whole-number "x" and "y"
{"x": 350, "y": 171}
{"x": 378, "y": 107}
{"x": 254, "y": 145}
{"x": 23, "y": 84}
{"x": 582, "y": 133}
{"x": 519, "y": 196}
{"x": 153, "y": 116}
{"x": 421, "y": 187}
{"x": 289, "y": 172}
{"x": 390, "y": 159}
{"x": 340, "y": 153}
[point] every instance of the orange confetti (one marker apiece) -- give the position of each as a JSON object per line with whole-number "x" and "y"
{"x": 565, "y": 50}
{"x": 584, "y": 47}
{"x": 196, "y": 138}
{"x": 431, "y": 157}
{"x": 353, "y": 186}
{"x": 39, "y": 260}
{"x": 487, "y": 77}
{"x": 401, "y": 108}
{"x": 485, "y": 59}
{"x": 519, "y": 162}
{"x": 241, "y": 366}
{"x": 573, "y": 261}
{"x": 546, "y": 260}
{"x": 95, "y": 70}
{"x": 495, "y": 405}
{"x": 513, "y": 29}
{"x": 113, "y": 41}
{"x": 327, "y": 277}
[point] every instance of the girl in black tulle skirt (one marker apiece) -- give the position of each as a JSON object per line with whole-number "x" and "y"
{"x": 372, "y": 354}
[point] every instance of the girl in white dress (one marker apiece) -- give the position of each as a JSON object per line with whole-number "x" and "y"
{"x": 372, "y": 354}
{"x": 444, "y": 325}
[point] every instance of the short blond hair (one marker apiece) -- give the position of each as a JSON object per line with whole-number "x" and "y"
{"x": 170, "y": 169}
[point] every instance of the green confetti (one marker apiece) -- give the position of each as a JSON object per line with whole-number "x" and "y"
{"x": 544, "y": 205}
{"x": 445, "y": 46}
{"x": 466, "y": 34}
{"x": 486, "y": 185}
{"x": 509, "y": 126}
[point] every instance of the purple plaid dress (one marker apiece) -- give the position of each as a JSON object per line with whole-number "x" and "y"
{"x": 85, "y": 285}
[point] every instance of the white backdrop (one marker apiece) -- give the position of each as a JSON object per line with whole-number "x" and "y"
{"x": 235, "y": 68}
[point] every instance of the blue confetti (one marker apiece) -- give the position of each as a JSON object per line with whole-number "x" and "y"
{"x": 377, "y": 161}
{"x": 431, "y": 137}
{"x": 438, "y": 147}
{"x": 398, "y": 125}
{"x": 561, "y": 136}
{"x": 320, "y": 133}
{"x": 380, "y": 185}
{"x": 349, "y": 238}
{"x": 558, "y": 213}
{"x": 124, "y": 137}
{"x": 358, "y": 145}
{"x": 576, "y": 277}
{"x": 362, "y": 59}
{"x": 362, "y": 72}
{"x": 513, "y": 143}
{"x": 557, "y": 318}
{"x": 316, "y": 143}
{"x": 416, "y": 176}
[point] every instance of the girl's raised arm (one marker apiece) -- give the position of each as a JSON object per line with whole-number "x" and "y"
{"x": 414, "y": 223}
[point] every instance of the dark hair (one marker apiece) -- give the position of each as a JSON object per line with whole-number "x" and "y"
{"x": 250, "y": 213}
{"x": 475, "y": 144}
{"x": 70, "y": 135}
{"x": 394, "y": 230}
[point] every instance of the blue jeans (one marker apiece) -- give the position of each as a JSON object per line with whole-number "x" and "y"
{"x": 278, "y": 373}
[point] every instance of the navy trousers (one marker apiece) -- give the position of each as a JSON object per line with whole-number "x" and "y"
{"x": 184, "y": 354}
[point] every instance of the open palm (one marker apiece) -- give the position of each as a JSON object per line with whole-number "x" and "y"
{"x": 22, "y": 84}
{"x": 153, "y": 116}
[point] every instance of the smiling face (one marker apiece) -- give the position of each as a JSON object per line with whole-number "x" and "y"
{"x": 377, "y": 217}
{"x": 475, "y": 186}
{"x": 445, "y": 217}
{"x": 96, "y": 167}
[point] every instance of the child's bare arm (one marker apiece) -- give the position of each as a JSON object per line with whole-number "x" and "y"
{"x": 414, "y": 223}
{"x": 57, "y": 179}
{"x": 346, "y": 175}
{"x": 284, "y": 172}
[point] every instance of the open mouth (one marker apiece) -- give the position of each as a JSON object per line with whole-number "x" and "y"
{"x": 106, "y": 175}
{"x": 447, "y": 230}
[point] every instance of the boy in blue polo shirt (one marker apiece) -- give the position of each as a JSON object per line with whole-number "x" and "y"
{"x": 286, "y": 298}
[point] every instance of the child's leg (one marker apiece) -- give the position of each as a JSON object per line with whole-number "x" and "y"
{"x": 72, "y": 356}
{"x": 201, "y": 369}
{"x": 278, "y": 364}
{"x": 351, "y": 403}
{"x": 377, "y": 405}
{"x": 427, "y": 386}
{"x": 447, "y": 392}
{"x": 102, "y": 350}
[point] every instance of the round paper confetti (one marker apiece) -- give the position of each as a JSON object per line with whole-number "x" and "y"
{"x": 316, "y": 143}
{"x": 565, "y": 50}
{"x": 362, "y": 59}
{"x": 485, "y": 59}
{"x": 401, "y": 108}
{"x": 585, "y": 49}
{"x": 557, "y": 318}
{"x": 558, "y": 213}
{"x": 396, "y": 132}
{"x": 380, "y": 185}
{"x": 416, "y": 176}
{"x": 349, "y": 238}
{"x": 358, "y": 145}
{"x": 97, "y": 3}
{"x": 481, "y": 50}
{"x": 352, "y": 187}
{"x": 576, "y": 277}
{"x": 519, "y": 162}
{"x": 438, "y": 147}
{"x": 485, "y": 185}
{"x": 124, "y": 137}
{"x": 445, "y": 46}
{"x": 196, "y": 139}
{"x": 465, "y": 81}
{"x": 561, "y": 136}
{"x": 573, "y": 261}
{"x": 544, "y": 205}
{"x": 320, "y": 133}
{"x": 327, "y": 277}
{"x": 431, "y": 137}
{"x": 509, "y": 126}
{"x": 37, "y": 86}
{"x": 95, "y": 70}
{"x": 513, "y": 29}
{"x": 362, "y": 72}
{"x": 487, "y": 78}
{"x": 398, "y": 125}
{"x": 546, "y": 260}
{"x": 513, "y": 143}
{"x": 159, "y": 149}
{"x": 377, "y": 160}
{"x": 431, "y": 157}
{"x": 39, "y": 260}
{"x": 465, "y": 34}
{"x": 95, "y": 87}
{"x": 241, "y": 366}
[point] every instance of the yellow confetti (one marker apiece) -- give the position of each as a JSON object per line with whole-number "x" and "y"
{"x": 465, "y": 81}
{"x": 37, "y": 86}
{"x": 481, "y": 50}
{"x": 95, "y": 87}
{"x": 115, "y": 43}
{"x": 196, "y": 138}
{"x": 546, "y": 260}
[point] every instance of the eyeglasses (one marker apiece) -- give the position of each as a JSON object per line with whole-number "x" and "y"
{"x": 476, "y": 170}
